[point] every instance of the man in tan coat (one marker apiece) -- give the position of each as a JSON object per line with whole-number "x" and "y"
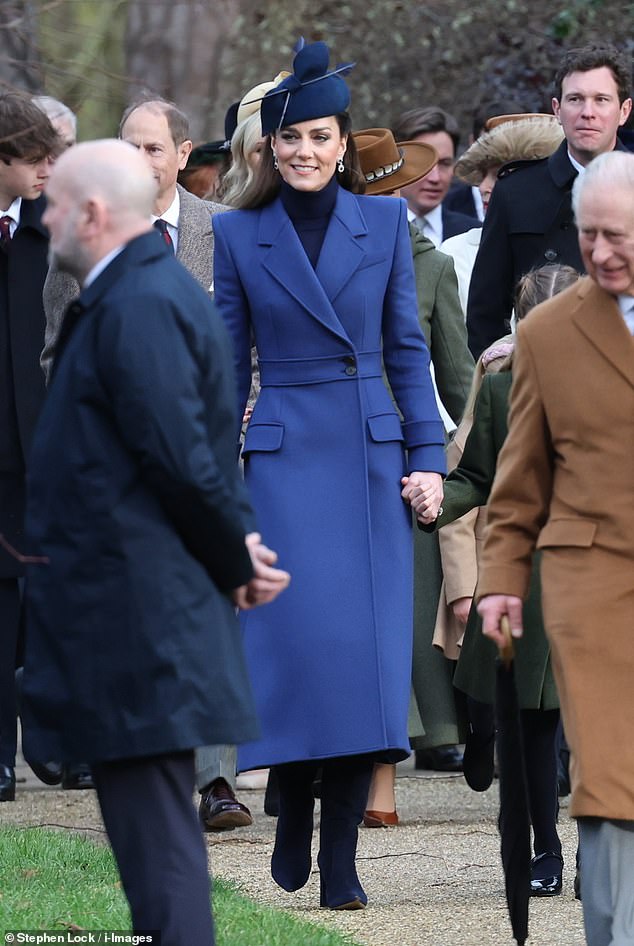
{"x": 565, "y": 484}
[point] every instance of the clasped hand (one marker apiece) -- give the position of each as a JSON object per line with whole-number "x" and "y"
{"x": 267, "y": 581}
{"x": 492, "y": 608}
{"x": 424, "y": 493}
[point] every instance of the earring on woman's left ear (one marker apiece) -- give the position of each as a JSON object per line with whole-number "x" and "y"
{"x": 340, "y": 167}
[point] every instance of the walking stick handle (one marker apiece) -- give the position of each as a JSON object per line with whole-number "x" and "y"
{"x": 507, "y": 652}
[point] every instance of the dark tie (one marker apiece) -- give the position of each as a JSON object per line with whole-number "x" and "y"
{"x": 161, "y": 226}
{"x": 5, "y": 232}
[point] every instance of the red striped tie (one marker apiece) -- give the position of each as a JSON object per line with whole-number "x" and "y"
{"x": 161, "y": 226}
{"x": 5, "y": 232}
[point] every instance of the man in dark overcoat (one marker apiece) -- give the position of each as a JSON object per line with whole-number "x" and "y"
{"x": 529, "y": 220}
{"x": 160, "y": 131}
{"x": 27, "y": 142}
{"x": 136, "y": 505}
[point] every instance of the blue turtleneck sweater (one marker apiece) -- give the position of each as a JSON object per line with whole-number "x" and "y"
{"x": 310, "y": 214}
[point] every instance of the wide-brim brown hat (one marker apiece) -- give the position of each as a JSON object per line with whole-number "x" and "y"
{"x": 388, "y": 165}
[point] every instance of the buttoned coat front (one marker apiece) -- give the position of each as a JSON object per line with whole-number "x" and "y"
{"x": 564, "y": 483}
{"x": 324, "y": 453}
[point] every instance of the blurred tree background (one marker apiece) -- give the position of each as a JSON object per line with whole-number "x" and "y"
{"x": 97, "y": 55}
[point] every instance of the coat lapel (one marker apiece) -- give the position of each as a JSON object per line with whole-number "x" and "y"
{"x": 599, "y": 318}
{"x": 195, "y": 237}
{"x": 342, "y": 252}
{"x": 340, "y": 256}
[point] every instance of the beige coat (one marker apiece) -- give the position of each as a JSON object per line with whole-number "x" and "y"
{"x": 461, "y": 540}
{"x": 565, "y": 483}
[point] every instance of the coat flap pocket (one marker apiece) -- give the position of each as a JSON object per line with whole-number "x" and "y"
{"x": 264, "y": 437}
{"x": 384, "y": 427}
{"x": 567, "y": 532}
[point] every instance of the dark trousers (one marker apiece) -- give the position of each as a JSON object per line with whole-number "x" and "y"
{"x": 539, "y": 729}
{"x": 156, "y": 839}
{"x": 540, "y": 738}
{"x": 10, "y": 634}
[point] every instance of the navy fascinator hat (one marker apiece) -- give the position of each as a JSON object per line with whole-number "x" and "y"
{"x": 309, "y": 92}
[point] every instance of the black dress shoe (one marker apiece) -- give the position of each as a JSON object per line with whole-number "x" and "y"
{"x": 48, "y": 772}
{"x": 220, "y": 810}
{"x": 546, "y": 874}
{"x": 77, "y": 776}
{"x": 440, "y": 759}
{"x": 7, "y": 783}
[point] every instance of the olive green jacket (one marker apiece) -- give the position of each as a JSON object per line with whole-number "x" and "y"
{"x": 442, "y": 321}
{"x": 467, "y": 486}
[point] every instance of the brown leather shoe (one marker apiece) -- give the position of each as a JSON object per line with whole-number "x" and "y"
{"x": 220, "y": 810}
{"x": 380, "y": 819}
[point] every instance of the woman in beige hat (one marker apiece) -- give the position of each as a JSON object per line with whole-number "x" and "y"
{"x": 247, "y": 142}
{"x": 388, "y": 166}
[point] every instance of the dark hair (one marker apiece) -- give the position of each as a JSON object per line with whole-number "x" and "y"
{"x": 419, "y": 121}
{"x": 177, "y": 121}
{"x": 490, "y": 108}
{"x": 266, "y": 181}
{"x": 25, "y": 130}
{"x": 594, "y": 56}
{"x": 540, "y": 284}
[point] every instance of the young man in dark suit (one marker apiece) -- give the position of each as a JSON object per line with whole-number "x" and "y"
{"x": 28, "y": 142}
{"x": 425, "y": 198}
{"x": 134, "y": 657}
{"x": 529, "y": 221}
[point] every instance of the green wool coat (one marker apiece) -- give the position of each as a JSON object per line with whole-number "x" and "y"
{"x": 434, "y": 720}
{"x": 468, "y": 486}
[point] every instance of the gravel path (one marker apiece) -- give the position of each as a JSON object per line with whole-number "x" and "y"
{"x": 433, "y": 881}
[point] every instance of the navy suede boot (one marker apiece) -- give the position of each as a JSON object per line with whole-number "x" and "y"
{"x": 344, "y": 796}
{"x": 291, "y": 860}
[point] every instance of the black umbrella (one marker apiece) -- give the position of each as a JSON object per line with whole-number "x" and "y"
{"x": 514, "y": 820}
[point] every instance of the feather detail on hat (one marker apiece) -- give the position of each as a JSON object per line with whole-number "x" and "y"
{"x": 310, "y": 92}
{"x": 520, "y": 139}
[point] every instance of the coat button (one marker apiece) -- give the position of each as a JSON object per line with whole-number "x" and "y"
{"x": 351, "y": 370}
{"x": 551, "y": 255}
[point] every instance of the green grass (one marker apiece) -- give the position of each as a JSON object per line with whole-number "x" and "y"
{"x": 56, "y": 880}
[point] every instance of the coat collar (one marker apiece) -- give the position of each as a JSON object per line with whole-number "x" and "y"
{"x": 142, "y": 249}
{"x": 561, "y": 169}
{"x": 342, "y": 253}
{"x": 31, "y": 215}
{"x": 599, "y": 318}
{"x": 137, "y": 252}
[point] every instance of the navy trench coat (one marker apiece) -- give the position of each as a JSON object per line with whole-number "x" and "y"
{"x": 330, "y": 660}
{"x": 133, "y": 647}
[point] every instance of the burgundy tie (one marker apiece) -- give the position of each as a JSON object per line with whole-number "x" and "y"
{"x": 161, "y": 226}
{"x": 5, "y": 232}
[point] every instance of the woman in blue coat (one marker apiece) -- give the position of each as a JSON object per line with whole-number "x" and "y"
{"x": 321, "y": 280}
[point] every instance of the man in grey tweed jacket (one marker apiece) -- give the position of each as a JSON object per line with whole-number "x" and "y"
{"x": 161, "y": 132}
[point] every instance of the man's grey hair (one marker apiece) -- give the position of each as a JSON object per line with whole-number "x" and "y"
{"x": 614, "y": 169}
{"x": 55, "y": 109}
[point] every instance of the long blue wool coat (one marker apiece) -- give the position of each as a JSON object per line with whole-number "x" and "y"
{"x": 330, "y": 660}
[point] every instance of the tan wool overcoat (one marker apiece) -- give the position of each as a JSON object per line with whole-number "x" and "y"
{"x": 565, "y": 483}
